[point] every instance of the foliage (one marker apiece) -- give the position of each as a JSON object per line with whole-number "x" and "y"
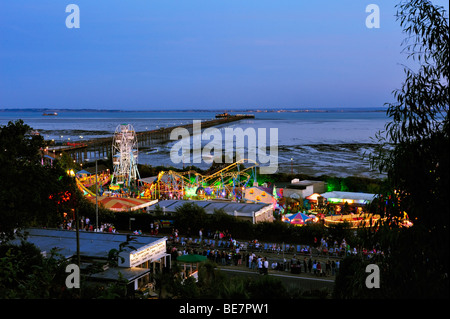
{"x": 48, "y": 190}
{"x": 234, "y": 289}
{"x": 190, "y": 215}
{"x": 414, "y": 153}
{"x": 267, "y": 287}
{"x": 115, "y": 254}
{"x": 350, "y": 283}
{"x": 339, "y": 231}
{"x": 26, "y": 274}
{"x": 351, "y": 184}
{"x": 115, "y": 290}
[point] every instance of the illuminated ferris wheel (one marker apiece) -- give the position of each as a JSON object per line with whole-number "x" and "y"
{"x": 125, "y": 156}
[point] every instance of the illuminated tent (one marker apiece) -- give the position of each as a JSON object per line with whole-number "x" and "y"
{"x": 122, "y": 204}
{"x": 299, "y": 219}
{"x": 82, "y": 173}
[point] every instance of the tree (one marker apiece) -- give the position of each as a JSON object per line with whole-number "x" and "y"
{"x": 414, "y": 153}
{"x": 415, "y": 150}
{"x": 31, "y": 193}
{"x": 190, "y": 215}
{"x": 26, "y": 274}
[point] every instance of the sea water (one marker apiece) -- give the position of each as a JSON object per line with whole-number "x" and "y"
{"x": 316, "y": 142}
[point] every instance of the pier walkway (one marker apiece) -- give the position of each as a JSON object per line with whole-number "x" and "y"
{"x": 102, "y": 147}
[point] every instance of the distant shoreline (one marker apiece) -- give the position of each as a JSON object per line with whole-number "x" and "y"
{"x": 261, "y": 110}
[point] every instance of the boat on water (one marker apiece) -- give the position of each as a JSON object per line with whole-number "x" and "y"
{"x": 50, "y": 114}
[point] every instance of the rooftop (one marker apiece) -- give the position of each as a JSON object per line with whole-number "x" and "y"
{"x": 349, "y": 195}
{"x": 112, "y": 274}
{"x": 92, "y": 244}
{"x": 210, "y": 206}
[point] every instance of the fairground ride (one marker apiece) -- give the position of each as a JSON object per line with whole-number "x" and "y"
{"x": 125, "y": 158}
{"x": 229, "y": 182}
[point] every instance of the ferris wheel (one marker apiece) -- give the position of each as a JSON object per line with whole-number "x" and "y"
{"x": 125, "y": 156}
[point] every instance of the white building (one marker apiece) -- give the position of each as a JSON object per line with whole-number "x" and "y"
{"x": 303, "y": 188}
{"x": 351, "y": 198}
{"x": 147, "y": 256}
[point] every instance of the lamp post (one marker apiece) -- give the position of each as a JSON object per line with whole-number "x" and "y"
{"x": 96, "y": 197}
{"x": 96, "y": 192}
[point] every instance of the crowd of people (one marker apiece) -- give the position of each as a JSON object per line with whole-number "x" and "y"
{"x": 252, "y": 256}
{"x": 262, "y": 264}
{"x": 85, "y": 224}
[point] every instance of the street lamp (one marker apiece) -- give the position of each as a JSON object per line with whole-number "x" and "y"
{"x": 96, "y": 193}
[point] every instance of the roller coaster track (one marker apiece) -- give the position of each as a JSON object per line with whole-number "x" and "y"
{"x": 231, "y": 173}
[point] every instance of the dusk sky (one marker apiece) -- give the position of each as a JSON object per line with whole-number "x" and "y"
{"x": 202, "y": 54}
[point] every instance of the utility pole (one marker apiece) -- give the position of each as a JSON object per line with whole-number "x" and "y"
{"x": 96, "y": 197}
{"x": 77, "y": 226}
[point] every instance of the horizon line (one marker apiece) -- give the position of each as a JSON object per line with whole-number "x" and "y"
{"x": 266, "y": 109}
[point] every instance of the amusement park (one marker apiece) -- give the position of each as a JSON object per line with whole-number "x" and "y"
{"x": 124, "y": 180}
{"x": 298, "y": 202}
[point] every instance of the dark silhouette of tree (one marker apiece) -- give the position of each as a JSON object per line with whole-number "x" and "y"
{"x": 414, "y": 153}
{"x": 32, "y": 193}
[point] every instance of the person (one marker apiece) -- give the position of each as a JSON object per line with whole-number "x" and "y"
{"x": 310, "y": 265}
{"x": 266, "y": 266}
{"x": 223, "y": 258}
{"x": 294, "y": 260}
{"x": 151, "y": 229}
{"x": 333, "y": 268}
{"x": 156, "y": 229}
{"x": 200, "y": 233}
{"x": 229, "y": 260}
{"x": 327, "y": 268}
{"x": 260, "y": 265}
{"x": 314, "y": 267}
{"x": 319, "y": 268}
{"x": 250, "y": 261}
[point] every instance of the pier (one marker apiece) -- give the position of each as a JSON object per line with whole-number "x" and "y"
{"x": 102, "y": 147}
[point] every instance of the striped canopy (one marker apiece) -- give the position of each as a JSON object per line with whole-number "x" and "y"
{"x": 122, "y": 204}
{"x": 299, "y": 218}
